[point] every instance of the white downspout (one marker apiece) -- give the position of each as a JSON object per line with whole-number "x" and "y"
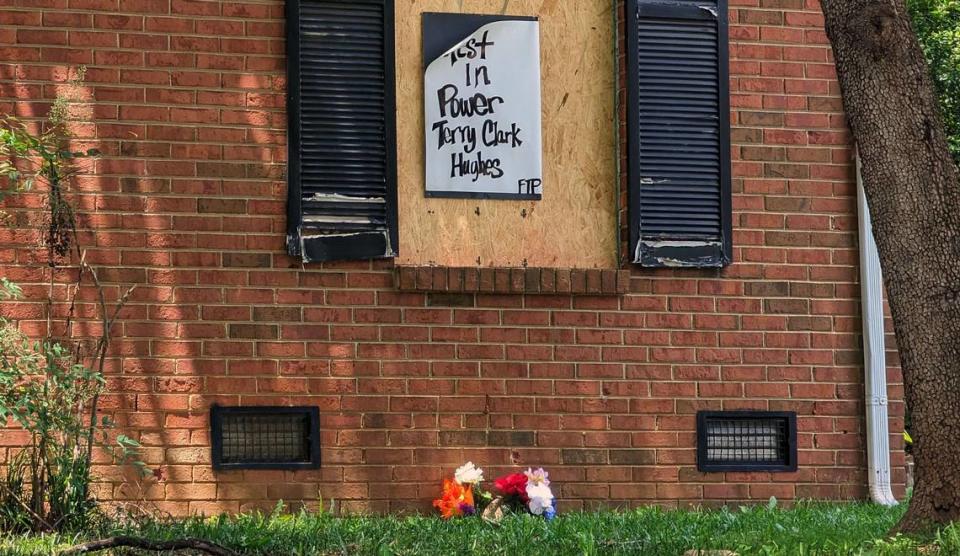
{"x": 875, "y": 363}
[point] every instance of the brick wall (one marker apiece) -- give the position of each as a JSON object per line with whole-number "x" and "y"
{"x": 186, "y": 100}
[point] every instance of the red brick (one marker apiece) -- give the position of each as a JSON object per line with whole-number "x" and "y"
{"x": 189, "y": 203}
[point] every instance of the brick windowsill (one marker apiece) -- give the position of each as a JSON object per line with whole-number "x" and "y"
{"x": 512, "y": 280}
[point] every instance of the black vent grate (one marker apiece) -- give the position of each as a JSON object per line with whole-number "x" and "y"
{"x": 746, "y": 441}
{"x": 342, "y": 129}
{"x": 265, "y": 437}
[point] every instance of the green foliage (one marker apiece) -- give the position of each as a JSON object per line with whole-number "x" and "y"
{"x": 808, "y": 529}
{"x": 9, "y": 290}
{"x": 52, "y": 396}
{"x": 45, "y": 387}
{"x": 937, "y": 23}
{"x": 48, "y": 395}
{"x": 27, "y": 157}
{"x": 60, "y": 111}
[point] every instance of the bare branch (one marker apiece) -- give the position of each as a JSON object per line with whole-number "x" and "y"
{"x": 26, "y": 507}
{"x": 147, "y": 544}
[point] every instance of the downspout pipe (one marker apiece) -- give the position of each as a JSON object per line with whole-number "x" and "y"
{"x": 875, "y": 363}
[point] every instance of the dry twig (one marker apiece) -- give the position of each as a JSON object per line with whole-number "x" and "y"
{"x": 147, "y": 544}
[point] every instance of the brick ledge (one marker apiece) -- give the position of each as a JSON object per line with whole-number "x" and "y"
{"x": 512, "y": 280}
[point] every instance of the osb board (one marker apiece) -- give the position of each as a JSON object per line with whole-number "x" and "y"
{"x": 574, "y": 225}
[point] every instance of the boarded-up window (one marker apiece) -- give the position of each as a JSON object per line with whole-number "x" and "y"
{"x": 342, "y": 129}
{"x": 679, "y": 132}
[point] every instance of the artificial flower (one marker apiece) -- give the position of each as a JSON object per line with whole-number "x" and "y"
{"x": 540, "y": 476}
{"x": 540, "y": 497}
{"x": 550, "y": 513}
{"x": 513, "y": 485}
{"x": 468, "y": 474}
{"x": 457, "y": 500}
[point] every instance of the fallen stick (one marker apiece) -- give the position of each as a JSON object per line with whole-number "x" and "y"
{"x": 147, "y": 544}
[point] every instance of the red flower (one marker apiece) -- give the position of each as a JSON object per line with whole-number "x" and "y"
{"x": 513, "y": 485}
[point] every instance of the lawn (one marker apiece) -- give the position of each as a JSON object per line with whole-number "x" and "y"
{"x": 809, "y": 528}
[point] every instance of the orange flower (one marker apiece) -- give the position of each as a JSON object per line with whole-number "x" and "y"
{"x": 457, "y": 500}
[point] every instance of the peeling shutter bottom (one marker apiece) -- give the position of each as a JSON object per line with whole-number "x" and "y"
{"x": 681, "y": 254}
{"x": 340, "y": 247}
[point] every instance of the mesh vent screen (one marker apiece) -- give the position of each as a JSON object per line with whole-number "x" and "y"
{"x": 264, "y": 437}
{"x": 731, "y": 441}
{"x": 746, "y": 441}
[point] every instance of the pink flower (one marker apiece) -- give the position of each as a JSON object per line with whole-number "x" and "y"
{"x": 538, "y": 477}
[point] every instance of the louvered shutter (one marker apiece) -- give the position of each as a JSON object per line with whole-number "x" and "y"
{"x": 342, "y": 129}
{"x": 679, "y": 132}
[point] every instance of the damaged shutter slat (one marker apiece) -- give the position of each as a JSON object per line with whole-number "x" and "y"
{"x": 342, "y": 129}
{"x": 679, "y": 133}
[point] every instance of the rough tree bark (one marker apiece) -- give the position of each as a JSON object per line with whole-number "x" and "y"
{"x": 913, "y": 188}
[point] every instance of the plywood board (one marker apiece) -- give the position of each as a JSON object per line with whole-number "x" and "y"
{"x": 574, "y": 225}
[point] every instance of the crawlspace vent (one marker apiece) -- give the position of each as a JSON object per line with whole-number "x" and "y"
{"x": 746, "y": 441}
{"x": 265, "y": 437}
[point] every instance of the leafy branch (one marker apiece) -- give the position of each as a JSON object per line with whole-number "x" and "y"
{"x": 51, "y": 388}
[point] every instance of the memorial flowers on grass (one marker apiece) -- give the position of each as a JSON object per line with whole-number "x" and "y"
{"x": 539, "y": 495}
{"x": 529, "y": 491}
{"x": 525, "y": 492}
{"x": 458, "y": 496}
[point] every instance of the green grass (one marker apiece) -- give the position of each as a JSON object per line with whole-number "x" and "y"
{"x": 809, "y": 528}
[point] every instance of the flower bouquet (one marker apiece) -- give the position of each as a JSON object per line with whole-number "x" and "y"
{"x": 526, "y": 492}
{"x": 457, "y": 499}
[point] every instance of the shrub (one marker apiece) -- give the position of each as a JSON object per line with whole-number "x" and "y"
{"x": 50, "y": 387}
{"x": 50, "y": 394}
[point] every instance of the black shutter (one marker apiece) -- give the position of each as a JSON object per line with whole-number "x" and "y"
{"x": 679, "y": 132}
{"x": 342, "y": 130}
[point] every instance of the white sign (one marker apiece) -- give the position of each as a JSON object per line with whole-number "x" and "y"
{"x": 482, "y": 106}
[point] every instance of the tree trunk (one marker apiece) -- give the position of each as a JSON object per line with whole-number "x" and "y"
{"x": 913, "y": 188}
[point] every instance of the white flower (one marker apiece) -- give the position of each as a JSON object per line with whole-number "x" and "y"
{"x": 468, "y": 474}
{"x": 541, "y": 497}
